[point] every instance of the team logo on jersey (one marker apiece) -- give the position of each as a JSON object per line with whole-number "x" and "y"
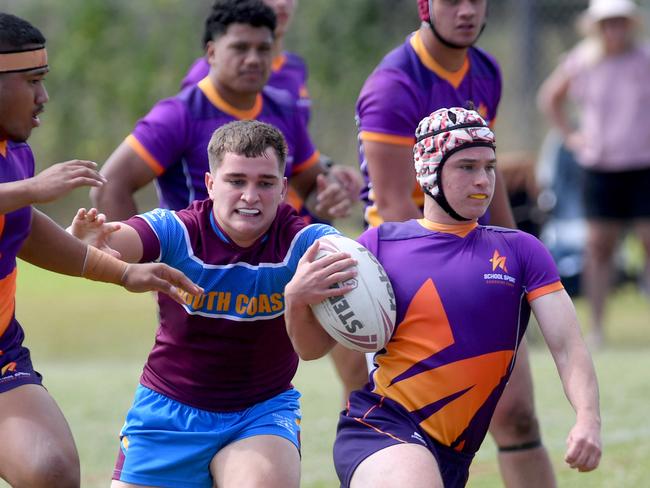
{"x": 499, "y": 274}
{"x": 498, "y": 261}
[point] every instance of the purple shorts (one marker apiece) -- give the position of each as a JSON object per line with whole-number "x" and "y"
{"x": 16, "y": 368}
{"x": 372, "y": 423}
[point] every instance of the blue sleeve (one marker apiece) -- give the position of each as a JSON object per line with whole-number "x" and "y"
{"x": 305, "y": 238}
{"x": 171, "y": 235}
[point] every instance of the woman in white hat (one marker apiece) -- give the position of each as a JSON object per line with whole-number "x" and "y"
{"x": 606, "y": 76}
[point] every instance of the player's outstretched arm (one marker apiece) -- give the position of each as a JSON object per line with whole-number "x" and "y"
{"x": 557, "y": 319}
{"x": 156, "y": 277}
{"x": 311, "y": 285}
{"x": 125, "y": 172}
{"x": 49, "y": 184}
{"x": 91, "y": 227}
{"x": 115, "y": 238}
{"x": 51, "y": 247}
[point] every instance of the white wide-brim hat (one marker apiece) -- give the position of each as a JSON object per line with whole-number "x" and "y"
{"x": 607, "y": 9}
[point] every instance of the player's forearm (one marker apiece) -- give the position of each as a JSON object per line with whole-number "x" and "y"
{"x": 15, "y": 195}
{"x": 579, "y": 381}
{"x": 308, "y": 337}
{"x": 50, "y": 247}
{"x": 558, "y": 322}
{"x": 114, "y": 200}
{"x": 398, "y": 209}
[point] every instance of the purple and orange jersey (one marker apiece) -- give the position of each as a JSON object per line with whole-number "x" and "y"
{"x": 16, "y": 163}
{"x": 288, "y": 72}
{"x": 228, "y": 348}
{"x": 173, "y": 137}
{"x": 462, "y": 310}
{"x": 407, "y": 86}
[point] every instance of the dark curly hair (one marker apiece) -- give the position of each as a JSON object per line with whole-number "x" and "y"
{"x": 226, "y": 12}
{"x": 16, "y": 33}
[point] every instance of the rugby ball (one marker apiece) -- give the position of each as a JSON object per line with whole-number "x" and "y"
{"x": 364, "y": 318}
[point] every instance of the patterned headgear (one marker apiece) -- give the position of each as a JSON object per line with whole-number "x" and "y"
{"x": 440, "y": 135}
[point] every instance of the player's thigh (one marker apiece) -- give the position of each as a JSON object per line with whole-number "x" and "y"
{"x": 409, "y": 465}
{"x": 38, "y": 439}
{"x": 262, "y": 461}
{"x": 514, "y": 419}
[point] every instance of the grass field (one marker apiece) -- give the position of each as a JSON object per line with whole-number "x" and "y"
{"x": 91, "y": 340}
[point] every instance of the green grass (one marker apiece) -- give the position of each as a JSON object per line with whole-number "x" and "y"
{"x": 91, "y": 340}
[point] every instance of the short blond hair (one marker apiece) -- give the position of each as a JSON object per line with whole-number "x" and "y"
{"x": 250, "y": 138}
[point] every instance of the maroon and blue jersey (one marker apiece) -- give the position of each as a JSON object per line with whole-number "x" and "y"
{"x": 173, "y": 137}
{"x": 288, "y": 72}
{"x": 16, "y": 163}
{"x": 228, "y": 348}
{"x": 407, "y": 86}
{"x": 462, "y": 310}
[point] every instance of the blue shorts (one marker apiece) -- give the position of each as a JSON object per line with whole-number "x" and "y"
{"x": 167, "y": 443}
{"x": 16, "y": 368}
{"x": 372, "y": 423}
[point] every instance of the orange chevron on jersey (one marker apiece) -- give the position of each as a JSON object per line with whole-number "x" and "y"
{"x": 7, "y": 300}
{"x": 415, "y": 339}
{"x": 447, "y": 395}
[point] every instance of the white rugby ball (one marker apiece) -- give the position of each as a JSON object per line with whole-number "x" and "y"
{"x": 364, "y": 318}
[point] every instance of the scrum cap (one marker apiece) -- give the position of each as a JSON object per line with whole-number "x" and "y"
{"x": 440, "y": 135}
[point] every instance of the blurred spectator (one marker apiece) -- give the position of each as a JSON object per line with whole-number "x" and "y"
{"x": 564, "y": 232}
{"x": 606, "y": 76}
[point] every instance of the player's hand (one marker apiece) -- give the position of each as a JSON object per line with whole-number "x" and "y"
{"x": 158, "y": 277}
{"x": 91, "y": 227}
{"x": 313, "y": 279}
{"x": 332, "y": 199}
{"x": 348, "y": 178}
{"x": 61, "y": 178}
{"x": 584, "y": 447}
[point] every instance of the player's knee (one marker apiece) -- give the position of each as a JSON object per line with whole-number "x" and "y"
{"x": 54, "y": 469}
{"x": 515, "y": 425}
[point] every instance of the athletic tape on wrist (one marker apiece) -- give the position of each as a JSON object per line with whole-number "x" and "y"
{"x": 99, "y": 266}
